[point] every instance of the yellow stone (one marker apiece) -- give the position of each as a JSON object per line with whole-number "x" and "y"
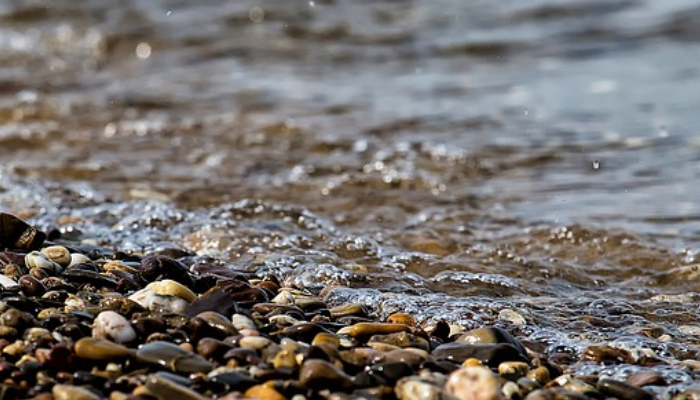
{"x": 261, "y": 392}
{"x": 168, "y": 287}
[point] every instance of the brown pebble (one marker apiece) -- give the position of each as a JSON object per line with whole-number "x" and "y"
{"x": 365, "y": 330}
{"x": 70, "y": 392}
{"x": 401, "y": 318}
{"x": 607, "y": 354}
{"x": 647, "y": 378}
{"x": 100, "y": 350}
{"x": 318, "y": 374}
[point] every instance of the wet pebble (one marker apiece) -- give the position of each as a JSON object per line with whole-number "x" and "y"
{"x": 173, "y": 357}
{"x": 365, "y": 330}
{"x": 113, "y": 326}
{"x": 474, "y": 383}
{"x": 622, "y": 390}
{"x": 488, "y": 354}
{"x": 319, "y": 374}
{"x": 164, "y": 388}
{"x": 101, "y": 350}
{"x": 70, "y": 392}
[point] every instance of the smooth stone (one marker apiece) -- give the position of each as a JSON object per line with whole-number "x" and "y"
{"x": 318, "y": 374}
{"x": 345, "y": 310}
{"x": 36, "y": 259}
{"x": 402, "y": 318}
{"x": 227, "y": 297}
{"x": 17, "y": 234}
{"x": 156, "y": 268}
{"x": 413, "y": 388}
{"x": 167, "y": 389}
{"x": 173, "y": 357}
{"x": 412, "y": 357}
{"x": 113, "y": 326}
{"x": 607, "y": 354}
{"x": 77, "y": 258}
{"x": 555, "y": 394}
{"x": 240, "y": 322}
{"x": 30, "y": 285}
{"x": 365, "y": 330}
{"x": 327, "y": 339}
{"x": 646, "y": 378}
{"x": 488, "y": 354}
{"x": 70, "y": 392}
{"x": 254, "y": 342}
{"x": 101, "y": 350}
{"x": 218, "y": 321}
{"x": 622, "y": 390}
{"x": 474, "y": 383}
{"x": 401, "y": 339}
{"x": 7, "y": 282}
{"x": 58, "y": 254}
{"x": 234, "y": 380}
{"x": 260, "y": 392}
{"x": 518, "y": 368}
{"x": 152, "y": 301}
{"x": 169, "y": 287}
{"x": 491, "y": 335}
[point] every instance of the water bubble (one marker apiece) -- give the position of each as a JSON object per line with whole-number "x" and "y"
{"x": 663, "y": 132}
{"x": 143, "y": 50}
{"x": 256, "y": 14}
{"x": 312, "y": 4}
{"x": 596, "y": 164}
{"x": 526, "y": 111}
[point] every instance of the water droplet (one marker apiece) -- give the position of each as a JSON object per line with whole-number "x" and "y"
{"x": 312, "y": 4}
{"x": 168, "y": 13}
{"x": 596, "y": 164}
{"x": 526, "y": 112}
{"x": 663, "y": 132}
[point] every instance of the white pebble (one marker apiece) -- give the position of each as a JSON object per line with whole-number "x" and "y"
{"x": 474, "y": 383}
{"x": 7, "y": 282}
{"x": 113, "y": 326}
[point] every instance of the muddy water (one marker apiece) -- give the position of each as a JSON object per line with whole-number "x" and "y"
{"x": 530, "y": 164}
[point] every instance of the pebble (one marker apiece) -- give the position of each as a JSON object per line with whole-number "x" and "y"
{"x": 173, "y": 357}
{"x": 319, "y": 374}
{"x": 101, "y": 350}
{"x": 622, "y": 390}
{"x": 168, "y": 389}
{"x": 58, "y": 254}
{"x": 113, "y": 326}
{"x": 474, "y": 383}
{"x": 70, "y": 392}
{"x": 169, "y": 287}
{"x": 646, "y": 378}
{"x": 365, "y": 330}
{"x": 260, "y": 392}
{"x": 17, "y": 234}
{"x": 414, "y": 388}
{"x": 488, "y": 354}
{"x": 7, "y": 282}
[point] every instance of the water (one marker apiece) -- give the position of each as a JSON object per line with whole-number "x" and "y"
{"x": 532, "y": 164}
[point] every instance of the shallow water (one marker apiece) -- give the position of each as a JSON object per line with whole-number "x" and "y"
{"x": 532, "y": 164}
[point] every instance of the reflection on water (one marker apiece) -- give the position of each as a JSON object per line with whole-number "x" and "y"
{"x": 445, "y": 158}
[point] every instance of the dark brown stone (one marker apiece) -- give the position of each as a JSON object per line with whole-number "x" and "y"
{"x": 17, "y": 234}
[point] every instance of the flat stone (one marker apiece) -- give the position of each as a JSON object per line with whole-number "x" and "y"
{"x": 488, "y": 354}
{"x": 101, "y": 350}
